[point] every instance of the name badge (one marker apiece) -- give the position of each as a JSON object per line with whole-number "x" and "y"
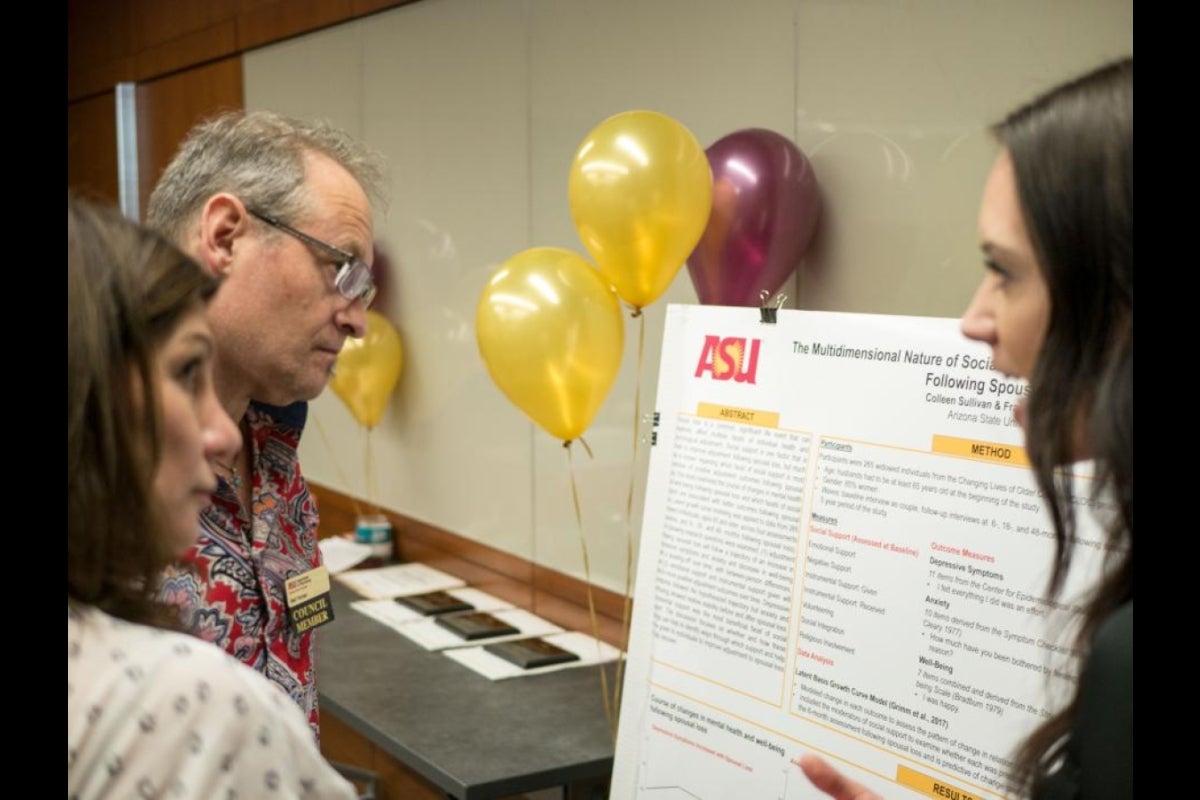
{"x": 308, "y": 600}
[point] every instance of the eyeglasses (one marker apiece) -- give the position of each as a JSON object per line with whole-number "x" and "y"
{"x": 353, "y": 280}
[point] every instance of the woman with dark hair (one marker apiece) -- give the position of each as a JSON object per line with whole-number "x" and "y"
{"x": 1056, "y": 307}
{"x": 151, "y": 712}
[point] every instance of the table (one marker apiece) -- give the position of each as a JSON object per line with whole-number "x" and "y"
{"x": 472, "y": 737}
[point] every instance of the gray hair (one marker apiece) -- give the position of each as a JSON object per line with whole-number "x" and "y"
{"x": 258, "y": 156}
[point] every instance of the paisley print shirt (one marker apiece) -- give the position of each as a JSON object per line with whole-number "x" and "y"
{"x": 230, "y": 584}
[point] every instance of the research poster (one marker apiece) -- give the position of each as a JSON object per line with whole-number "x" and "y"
{"x": 843, "y": 552}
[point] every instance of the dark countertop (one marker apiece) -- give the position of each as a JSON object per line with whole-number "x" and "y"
{"x": 472, "y": 737}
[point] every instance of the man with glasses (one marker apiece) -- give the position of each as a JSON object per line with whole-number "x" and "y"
{"x": 280, "y": 210}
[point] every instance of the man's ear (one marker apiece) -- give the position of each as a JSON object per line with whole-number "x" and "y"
{"x": 223, "y": 220}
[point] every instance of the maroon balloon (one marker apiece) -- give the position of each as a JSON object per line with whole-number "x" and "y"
{"x": 764, "y": 214}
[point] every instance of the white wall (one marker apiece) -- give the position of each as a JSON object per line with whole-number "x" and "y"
{"x": 479, "y": 107}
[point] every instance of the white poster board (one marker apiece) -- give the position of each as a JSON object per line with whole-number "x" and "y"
{"x": 843, "y": 552}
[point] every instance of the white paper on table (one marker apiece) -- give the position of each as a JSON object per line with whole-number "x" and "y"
{"x": 394, "y": 615}
{"x": 432, "y": 636}
{"x": 399, "y": 580}
{"x": 590, "y": 650}
{"x": 341, "y": 554}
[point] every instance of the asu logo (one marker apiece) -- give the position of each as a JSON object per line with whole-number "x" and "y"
{"x": 727, "y": 358}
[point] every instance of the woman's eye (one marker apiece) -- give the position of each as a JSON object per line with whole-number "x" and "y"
{"x": 189, "y": 374}
{"x": 998, "y": 271}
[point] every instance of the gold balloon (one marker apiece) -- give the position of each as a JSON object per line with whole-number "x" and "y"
{"x": 550, "y": 330}
{"x": 368, "y": 369}
{"x": 640, "y": 191}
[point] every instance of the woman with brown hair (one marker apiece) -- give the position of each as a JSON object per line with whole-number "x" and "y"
{"x": 152, "y": 712}
{"x": 1056, "y": 307}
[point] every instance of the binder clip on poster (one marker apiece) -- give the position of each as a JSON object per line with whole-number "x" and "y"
{"x": 768, "y": 311}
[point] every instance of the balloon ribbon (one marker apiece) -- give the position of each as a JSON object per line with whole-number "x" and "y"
{"x": 336, "y": 464}
{"x": 369, "y": 473}
{"x": 587, "y": 581}
{"x": 626, "y": 606}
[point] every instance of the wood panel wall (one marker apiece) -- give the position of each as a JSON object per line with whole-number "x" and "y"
{"x": 92, "y": 148}
{"x": 138, "y": 40}
{"x": 184, "y": 55}
{"x": 168, "y": 107}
